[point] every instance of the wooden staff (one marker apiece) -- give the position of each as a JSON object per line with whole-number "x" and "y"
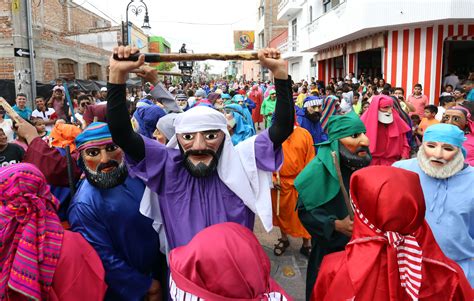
{"x": 12, "y": 113}
{"x": 178, "y": 57}
{"x": 278, "y": 192}
{"x": 70, "y": 173}
{"x": 159, "y": 72}
{"x": 341, "y": 184}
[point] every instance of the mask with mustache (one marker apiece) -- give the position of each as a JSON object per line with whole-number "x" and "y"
{"x": 106, "y": 180}
{"x": 353, "y": 160}
{"x": 201, "y": 170}
{"x": 314, "y": 117}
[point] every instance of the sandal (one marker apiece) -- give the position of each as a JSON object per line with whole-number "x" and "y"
{"x": 305, "y": 251}
{"x": 281, "y": 246}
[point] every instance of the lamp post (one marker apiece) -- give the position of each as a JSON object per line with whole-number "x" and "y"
{"x": 136, "y": 7}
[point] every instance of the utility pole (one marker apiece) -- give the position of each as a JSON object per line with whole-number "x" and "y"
{"x": 25, "y": 81}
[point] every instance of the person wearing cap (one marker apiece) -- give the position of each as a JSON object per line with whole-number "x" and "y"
{"x": 321, "y": 205}
{"x": 235, "y": 268}
{"x": 182, "y": 101}
{"x": 58, "y": 102}
{"x": 392, "y": 254}
{"x": 102, "y": 95}
{"x": 200, "y": 94}
{"x": 200, "y": 177}
{"x": 448, "y": 188}
{"x": 105, "y": 210}
{"x": 172, "y": 90}
{"x": 309, "y": 118}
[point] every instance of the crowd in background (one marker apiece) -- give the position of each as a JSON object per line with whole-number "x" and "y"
{"x": 62, "y": 128}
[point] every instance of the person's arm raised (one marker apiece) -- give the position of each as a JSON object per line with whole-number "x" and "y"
{"x": 284, "y": 115}
{"x": 118, "y": 117}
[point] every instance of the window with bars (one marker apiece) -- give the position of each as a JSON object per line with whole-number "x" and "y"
{"x": 67, "y": 69}
{"x": 329, "y": 4}
{"x": 261, "y": 9}
{"x": 93, "y": 71}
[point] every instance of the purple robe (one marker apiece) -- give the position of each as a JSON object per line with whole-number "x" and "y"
{"x": 189, "y": 204}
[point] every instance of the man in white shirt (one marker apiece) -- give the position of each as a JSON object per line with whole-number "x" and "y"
{"x": 44, "y": 113}
{"x": 445, "y": 103}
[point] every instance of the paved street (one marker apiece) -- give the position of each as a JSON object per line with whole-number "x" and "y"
{"x": 289, "y": 270}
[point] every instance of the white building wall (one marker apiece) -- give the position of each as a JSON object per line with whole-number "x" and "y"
{"x": 357, "y": 17}
{"x": 299, "y": 62}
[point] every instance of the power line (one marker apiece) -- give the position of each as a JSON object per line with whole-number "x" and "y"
{"x": 110, "y": 18}
{"x": 205, "y": 24}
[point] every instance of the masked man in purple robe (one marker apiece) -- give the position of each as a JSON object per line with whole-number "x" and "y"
{"x": 200, "y": 178}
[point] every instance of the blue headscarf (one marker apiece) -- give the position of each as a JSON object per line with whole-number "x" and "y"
{"x": 242, "y": 129}
{"x": 147, "y": 117}
{"x": 445, "y": 133}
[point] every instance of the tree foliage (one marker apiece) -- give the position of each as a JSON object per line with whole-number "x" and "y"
{"x": 165, "y": 66}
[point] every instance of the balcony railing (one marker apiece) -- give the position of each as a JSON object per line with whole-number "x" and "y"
{"x": 289, "y": 8}
{"x": 288, "y": 45}
{"x": 282, "y": 4}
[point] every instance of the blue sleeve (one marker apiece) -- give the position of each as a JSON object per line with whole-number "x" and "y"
{"x": 250, "y": 103}
{"x": 122, "y": 279}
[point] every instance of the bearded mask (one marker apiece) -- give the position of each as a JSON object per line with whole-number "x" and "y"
{"x": 105, "y": 180}
{"x": 313, "y": 117}
{"x": 352, "y": 159}
{"x": 385, "y": 117}
{"x": 200, "y": 158}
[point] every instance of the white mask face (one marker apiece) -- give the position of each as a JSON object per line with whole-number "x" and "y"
{"x": 230, "y": 120}
{"x": 385, "y": 117}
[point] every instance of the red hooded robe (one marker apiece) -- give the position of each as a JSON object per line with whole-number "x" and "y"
{"x": 369, "y": 267}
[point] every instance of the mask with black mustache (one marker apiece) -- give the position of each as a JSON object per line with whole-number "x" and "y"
{"x": 313, "y": 117}
{"x": 353, "y": 160}
{"x": 106, "y": 180}
{"x": 201, "y": 170}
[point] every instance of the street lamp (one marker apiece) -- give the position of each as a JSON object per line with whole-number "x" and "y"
{"x": 136, "y": 7}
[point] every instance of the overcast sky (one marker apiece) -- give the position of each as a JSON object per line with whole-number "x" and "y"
{"x": 204, "y": 25}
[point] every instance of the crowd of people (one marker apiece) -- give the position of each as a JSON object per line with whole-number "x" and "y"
{"x": 120, "y": 195}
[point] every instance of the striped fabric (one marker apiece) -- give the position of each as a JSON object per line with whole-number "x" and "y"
{"x": 329, "y": 108}
{"x": 96, "y": 134}
{"x": 30, "y": 233}
{"x": 178, "y": 294}
{"x": 409, "y": 256}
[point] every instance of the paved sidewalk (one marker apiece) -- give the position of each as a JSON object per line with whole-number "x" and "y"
{"x": 289, "y": 269}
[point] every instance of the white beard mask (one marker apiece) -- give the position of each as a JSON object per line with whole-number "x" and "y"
{"x": 449, "y": 169}
{"x": 385, "y": 117}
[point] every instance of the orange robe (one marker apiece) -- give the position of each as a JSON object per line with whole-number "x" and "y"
{"x": 298, "y": 151}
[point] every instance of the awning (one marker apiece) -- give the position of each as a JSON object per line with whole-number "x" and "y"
{"x": 330, "y": 53}
{"x": 365, "y": 43}
{"x": 460, "y": 38}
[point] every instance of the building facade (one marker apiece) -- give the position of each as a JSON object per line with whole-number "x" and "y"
{"x": 292, "y": 42}
{"x": 58, "y": 52}
{"x": 404, "y": 42}
{"x": 268, "y": 27}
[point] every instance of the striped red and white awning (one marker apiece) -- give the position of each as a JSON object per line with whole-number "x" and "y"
{"x": 366, "y": 43}
{"x": 461, "y": 38}
{"x": 330, "y": 52}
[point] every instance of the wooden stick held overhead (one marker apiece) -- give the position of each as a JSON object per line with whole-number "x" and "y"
{"x": 159, "y": 72}
{"x": 178, "y": 57}
{"x": 12, "y": 113}
{"x": 335, "y": 160}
